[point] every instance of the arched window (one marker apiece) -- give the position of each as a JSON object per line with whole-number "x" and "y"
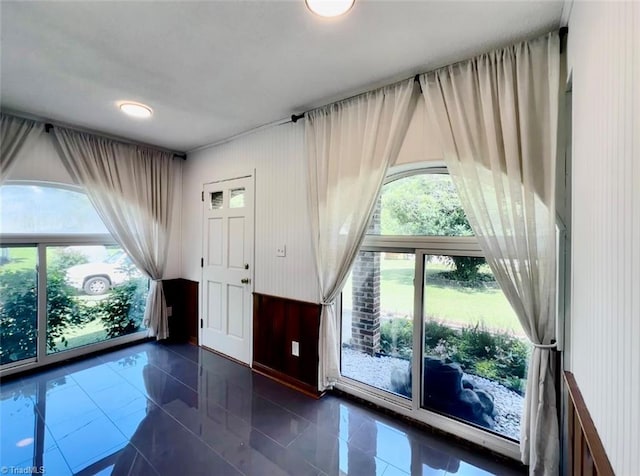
{"x": 36, "y": 209}
{"x": 423, "y": 318}
{"x": 421, "y": 204}
{"x": 66, "y": 287}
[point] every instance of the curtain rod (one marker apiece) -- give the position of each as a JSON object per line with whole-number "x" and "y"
{"x": 296, "y": 117}
{"x": 48, "y": 126}
{"x": 562, "y": 32}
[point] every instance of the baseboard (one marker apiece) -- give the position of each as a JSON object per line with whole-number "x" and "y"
{"x": 213, "y": 351}
{"x": 284, "y": 379}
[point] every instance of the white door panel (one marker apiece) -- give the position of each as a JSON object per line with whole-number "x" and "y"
{"x": 214, "y": 296}
{"x": 228, "y": 267}
{"x": 236, "y": 243}
{"x": 235, "y": 300}
{"x": 215, "y": 242}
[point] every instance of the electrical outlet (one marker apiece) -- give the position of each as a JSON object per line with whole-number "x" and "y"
{"x": 295, "y": 348}
{"x": 281, "y": 251}
{"x": 169, "y": 311}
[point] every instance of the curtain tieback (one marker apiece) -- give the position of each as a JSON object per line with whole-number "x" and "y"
{"x": 545, "y": 346}
{"x": 156, "y": 280}
{"x": 328, "y": 303}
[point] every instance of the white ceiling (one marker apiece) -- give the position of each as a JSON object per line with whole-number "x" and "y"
{"x": 213, "y": 69}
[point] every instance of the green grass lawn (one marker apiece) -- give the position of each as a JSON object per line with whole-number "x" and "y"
{"x": 77, "y": 336}
{"x": 89, "y": 333}
{"x": 20, "y": 258}
{"x": 26, "y": 257}
{"x": 444, "y": 300}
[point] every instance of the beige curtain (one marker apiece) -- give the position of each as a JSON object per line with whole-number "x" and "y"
{"x": 15, "y": 134}
{"x": 131, "y": 187}
{"x": 497, "y": 118}
{"x": 350, "y": 146}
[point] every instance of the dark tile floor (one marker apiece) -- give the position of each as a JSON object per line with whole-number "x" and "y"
{"x": 180, "y": 410}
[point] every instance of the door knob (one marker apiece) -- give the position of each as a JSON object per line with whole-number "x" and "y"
{"x": 245, "y": 280}
{"x": 246, "y": 266}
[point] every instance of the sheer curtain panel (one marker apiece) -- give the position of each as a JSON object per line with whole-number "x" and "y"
{"x": 497, "y": 118}
{"x": 350, "y": 146}
{"x": 15, "y": 134}
{"x": 132, "y": 190}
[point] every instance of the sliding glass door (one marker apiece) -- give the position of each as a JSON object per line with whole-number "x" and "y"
{"x": 65, "y": 287}
{"x": 94, "y": 293}
{"x": 377, "y": 321}
{"x": 426, "y": 329}
{"x": 60, "y": 298}
{"x": 474, "y": 352}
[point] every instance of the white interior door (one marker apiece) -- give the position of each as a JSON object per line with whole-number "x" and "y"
{"x": 227, "y": 268}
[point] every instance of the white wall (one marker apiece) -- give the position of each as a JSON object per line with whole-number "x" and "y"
{"x": 604, "y": 58}
{"x": 422, "y": 143}
{"x": 277, "y": 155}
{"x": 41, "y": 163}
{"x": 281, "y": 213}
{"x": 173, "y": 268}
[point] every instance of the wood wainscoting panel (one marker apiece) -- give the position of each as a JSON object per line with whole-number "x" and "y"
{"x": 586, "y": 452}
{"x": 182, "y": 296}
{"x": 277, "y": 323}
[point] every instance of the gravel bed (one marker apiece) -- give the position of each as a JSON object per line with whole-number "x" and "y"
{"x": 376, "y": 371}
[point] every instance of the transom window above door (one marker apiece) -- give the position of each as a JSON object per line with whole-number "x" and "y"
{"x": 235, "y": 198}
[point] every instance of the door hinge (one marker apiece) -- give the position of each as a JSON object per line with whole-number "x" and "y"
{"x": 203, "y": 195}
{"x": 202, "y": 262}
{"x": 201, "y": 323}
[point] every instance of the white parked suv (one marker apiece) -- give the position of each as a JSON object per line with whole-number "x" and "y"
{"x": 96, "y": 278}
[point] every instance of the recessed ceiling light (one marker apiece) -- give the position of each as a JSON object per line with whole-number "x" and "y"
{"x": 329, "y": 8}
{"x": 135, "y": 109}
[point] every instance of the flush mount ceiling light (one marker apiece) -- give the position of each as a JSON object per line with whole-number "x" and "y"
{"x": 329, "y": 8}
{"x": 135, "y": 109}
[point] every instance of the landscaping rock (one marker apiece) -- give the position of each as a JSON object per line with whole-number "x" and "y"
{"x": 469, "y": 405}
{"x": 443, "y": 381}
{"x": 401, "y": 381}
{"x": 444, "y": 392}
{"x": 487, "y": 401}
{"x": 380, "y": 371}
{"x": 466, "y": 383}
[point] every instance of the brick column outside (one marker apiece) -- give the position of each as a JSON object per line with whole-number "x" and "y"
{"x": 365, "y": 318}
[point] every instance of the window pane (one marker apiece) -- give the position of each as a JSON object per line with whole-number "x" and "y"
{"x": 31, "y": 209}
{"x": 215, "y": 200}
{"x": 94, "y": 293}
{"x": 420, "y": 205}
{"x": 236, "y": 199}
{"x": 377, "y": 321}
{"x": 475, "y": 352}
{"x": 18, "y": 303}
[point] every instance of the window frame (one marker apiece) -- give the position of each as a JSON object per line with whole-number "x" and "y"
{"x": 42, "y": 242}
{"x": 422, "y": 246}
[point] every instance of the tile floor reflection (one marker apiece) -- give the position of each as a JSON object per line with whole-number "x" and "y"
{"x": 180, "y": 410}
